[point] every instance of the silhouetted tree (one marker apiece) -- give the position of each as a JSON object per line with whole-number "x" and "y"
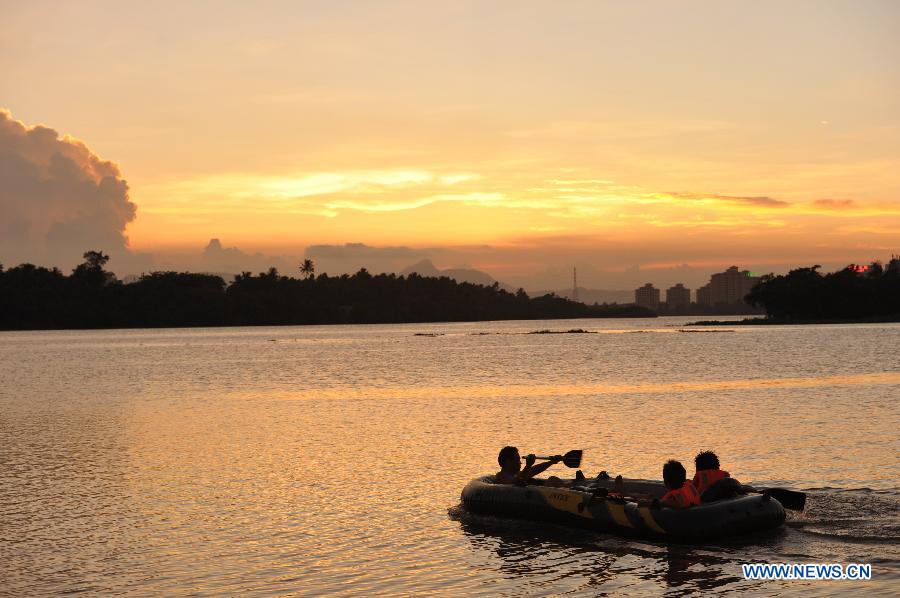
{"x": 172, "y": 299}
{"x": 307, "y": 268}
{"x": 855, "y": 292}
{"x": 95, "y": 260}
{"x": 91, "y": 269}
{"x": 33, "y": 297}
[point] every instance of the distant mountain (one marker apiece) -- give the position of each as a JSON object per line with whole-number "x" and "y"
{"x": 591, "y": 296}
{"x": 426, "y": 268}
{"x": 423, "y": 268}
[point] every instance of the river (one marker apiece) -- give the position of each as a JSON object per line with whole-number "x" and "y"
{"x": 329, "y": 459}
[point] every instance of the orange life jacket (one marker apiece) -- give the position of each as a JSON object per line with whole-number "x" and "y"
{"x": 705, "y": 478}
{"x": 685, "y": 496}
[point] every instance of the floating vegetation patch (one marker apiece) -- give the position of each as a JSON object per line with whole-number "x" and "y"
{"x": 570, "y": 331}
{"x": 682, "y": 330}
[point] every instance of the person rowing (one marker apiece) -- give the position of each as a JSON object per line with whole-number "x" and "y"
{"x": 512, "y": 472}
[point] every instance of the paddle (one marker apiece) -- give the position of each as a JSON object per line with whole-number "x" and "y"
{"x": 571, "y": 459}
{"x": 789, "y": 499}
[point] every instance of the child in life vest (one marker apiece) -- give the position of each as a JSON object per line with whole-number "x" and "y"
{"x": 682, "y": 493}
{"x": 712, "y": 482}
{"x": 708, "y": 471}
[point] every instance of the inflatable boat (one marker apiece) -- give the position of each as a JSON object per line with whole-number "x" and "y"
{"x": 586, "y": 506}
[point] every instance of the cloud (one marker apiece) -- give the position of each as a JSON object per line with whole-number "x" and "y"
{"x": 755, "y": 201}
{"x": 231, "y": 260}
{"x": 760, "y": 201}
{"x": 317, "y": 193}
{"x": 393, "y": 205}
{"x": 834, "y": 204}
{"x": 59, "y": 199}
{"x": 618, "y": 130}
{"x": 350, "y": 257}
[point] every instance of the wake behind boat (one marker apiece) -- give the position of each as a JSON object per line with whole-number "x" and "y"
{"x": 587, "y": 506}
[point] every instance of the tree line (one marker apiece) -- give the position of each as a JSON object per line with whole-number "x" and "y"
{"x": 33, "y": 297}
{"x": 854, "y": 293}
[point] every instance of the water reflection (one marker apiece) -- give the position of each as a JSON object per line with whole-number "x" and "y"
{"x": 179, "y": 467}
{"x": 448, "y": 391}
{"x": 538, "y": 555}
{"x": 688, "y": 571}
{"x": 63, "y": 490}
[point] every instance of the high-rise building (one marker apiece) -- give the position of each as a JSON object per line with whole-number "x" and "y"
{"x": 703, "y": 295}
{"x": 678, "y": 297}
{"x": 727, "y": 288}
{"x": 647, "y": 296}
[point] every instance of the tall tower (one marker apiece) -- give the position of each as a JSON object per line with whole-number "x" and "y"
{"x": 574, "y": 283}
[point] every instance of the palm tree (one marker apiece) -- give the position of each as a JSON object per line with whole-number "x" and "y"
{"x": 307, "y": 269}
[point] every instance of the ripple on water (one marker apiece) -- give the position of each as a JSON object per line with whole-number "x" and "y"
{"x": 217, "y": 462}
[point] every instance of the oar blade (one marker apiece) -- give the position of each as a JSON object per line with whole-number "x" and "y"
{"x": 572, "y": 459}
{"x": 789, "y": 499}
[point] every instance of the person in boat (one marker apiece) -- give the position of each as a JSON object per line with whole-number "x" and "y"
{"x": 681, "y": 492}
{"x": 712, "y": 482}
{"x": 511, "y": 471}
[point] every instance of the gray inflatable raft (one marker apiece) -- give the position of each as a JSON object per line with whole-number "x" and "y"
{"x": 582, "y": 507}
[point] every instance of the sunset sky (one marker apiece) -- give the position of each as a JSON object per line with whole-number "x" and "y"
{"x": 520, "y": 138}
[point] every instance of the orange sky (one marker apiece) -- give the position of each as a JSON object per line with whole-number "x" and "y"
{"x": 649, "y": 132}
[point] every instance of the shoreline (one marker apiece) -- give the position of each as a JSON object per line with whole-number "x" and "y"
{"x": 780, "y": 322}
{"x": 625, "y": 316}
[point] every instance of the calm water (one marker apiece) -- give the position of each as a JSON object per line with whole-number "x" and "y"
{"x": 272, "y": 461}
